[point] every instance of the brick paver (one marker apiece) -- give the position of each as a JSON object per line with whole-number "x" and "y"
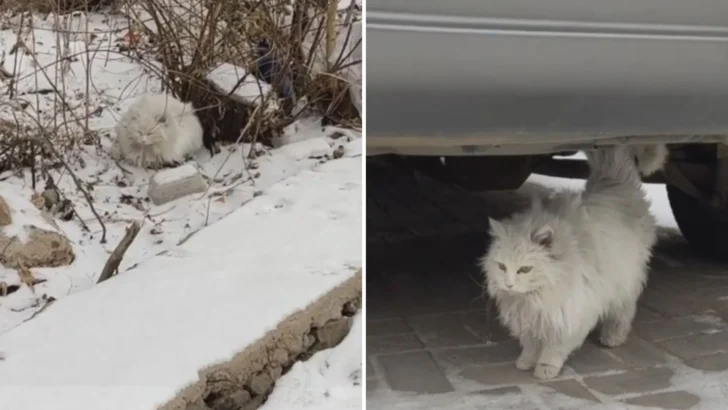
{"x": 433, "y": 342}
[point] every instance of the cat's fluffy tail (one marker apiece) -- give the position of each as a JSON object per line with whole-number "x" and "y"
{"x": 615, "y": 182}
{"x": 650, "y": 158}
{"x": 613, "y": 165}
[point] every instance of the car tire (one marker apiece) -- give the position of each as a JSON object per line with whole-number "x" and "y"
{"x": 703, "y": 226}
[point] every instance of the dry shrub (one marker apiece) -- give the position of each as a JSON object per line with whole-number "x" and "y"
{"x": 56, "y": 6}
{"x": 191, "y": 37}
{"x": 21, "y": 146}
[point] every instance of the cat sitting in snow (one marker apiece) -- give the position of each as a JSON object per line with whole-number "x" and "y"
{"x": 157, "y": 130}
{"x": 575, "y": 260}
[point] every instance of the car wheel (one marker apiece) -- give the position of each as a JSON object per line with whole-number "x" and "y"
{"x": 703, "y": 226}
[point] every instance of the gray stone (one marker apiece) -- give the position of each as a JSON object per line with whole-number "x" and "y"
{"x": 443, "y": 330}
{"x": 677, "y": 400}
{"x": 570, "y": 388}
{"x": 414, "y": 372}
{"x": 591, "y": 358}
{"x": 503, "y": 352}
{"x": 502, "y": 374}
{"x": 387, "y": 327}
{"x": 392, "y": 344}
{"x": 174, "y": 183}
{"x": 673, "y": 328}
{"x": 714, "y": 363}
{"x": 694, "y": 346}
{"x": 636, "y": 353}
{"x": 633, "y": 381}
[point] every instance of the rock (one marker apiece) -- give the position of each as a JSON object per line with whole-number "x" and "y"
{"x": 261, "y": 383}
{"x": 5, "y": 218}
{"x": 37, "y": 243}
{"x": 233, "y": 401}
{"x": 333, "y": 332}
{"x": 41, "y": 249}
{"x": 39, "y": 201}
{"x": 255, "y": 403}
{"x": 174, "y": 183}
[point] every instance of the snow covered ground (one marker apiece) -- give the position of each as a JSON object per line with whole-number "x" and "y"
{"x": 132, "y": 342}
{"x": 330, "y": 380}
{"x": 135, "y": 340}
{"x": 120, "y": 192}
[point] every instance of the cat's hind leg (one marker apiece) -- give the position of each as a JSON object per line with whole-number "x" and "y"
{"x": 617, "y": 324}
{"x": 530, "y": 353}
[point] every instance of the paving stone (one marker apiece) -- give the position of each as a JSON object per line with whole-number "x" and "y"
{"x": 591, "y": 358}
{"x": 678, "y": 400}
{"x": 414, "y": 372}
{"x": 636, "y": 352}
{"x": 374, "y": 384}
{"x": 678, "y": 303}
{"x": 501, "y": 391}
{"x": 503, "y": 374}
{"x": 443, "y": 331}
{"x": 370, "y": 369}
{"x": 645, "y": 315}
{"x": 570, "y": 388}
{"x": 567, "y": 395}
{"x": 501, "y": 398}
{"x": 485, "y": 324}
{"x": 392, "y": 344}
{"x": 694, "y": 346}
{"x": 632, "y": 381}
{"x": 713, "y": 363}
{"x": 387, "y": 327}
{"x": 503, "y": 352}
{"x": 675, "y": 328}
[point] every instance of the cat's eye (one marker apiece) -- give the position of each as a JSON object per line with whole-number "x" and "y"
{"x": 501, "y": 266}
{"x": 525, "y": 269}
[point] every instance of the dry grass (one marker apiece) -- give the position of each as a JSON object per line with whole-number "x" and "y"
{"x": 55, "y": 6}
{"x": 178, "y": 42}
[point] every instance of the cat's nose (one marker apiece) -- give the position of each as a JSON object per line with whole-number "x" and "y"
{"x": 509, "y": 285}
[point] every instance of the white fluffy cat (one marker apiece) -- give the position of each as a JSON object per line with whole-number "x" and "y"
{"x": 573, "y": 261}
{"x": 157, "y": 130}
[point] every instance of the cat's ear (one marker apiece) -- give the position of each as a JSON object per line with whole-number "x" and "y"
{"x": 543, "y": 236}
{"x": 496, "y": 228}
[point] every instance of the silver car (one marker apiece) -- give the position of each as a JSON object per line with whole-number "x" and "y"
{"x": 497, "y": 87}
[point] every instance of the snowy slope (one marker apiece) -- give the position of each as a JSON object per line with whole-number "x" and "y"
{"x": 135, "y": 340}
{"x": 98, "y": 83}
{"x": 330, "y": 380}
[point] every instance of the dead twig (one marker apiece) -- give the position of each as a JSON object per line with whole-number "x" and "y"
{"x": 112, "y": 264}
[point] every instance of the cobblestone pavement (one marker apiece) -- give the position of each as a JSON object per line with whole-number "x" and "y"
{"x": 433, "y": 341}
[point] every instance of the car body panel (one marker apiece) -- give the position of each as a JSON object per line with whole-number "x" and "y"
{"x": 468, "y": 77}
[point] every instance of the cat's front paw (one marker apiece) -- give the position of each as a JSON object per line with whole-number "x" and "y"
{"x": 525, "y": 362}
{"x": 545, "y": 371}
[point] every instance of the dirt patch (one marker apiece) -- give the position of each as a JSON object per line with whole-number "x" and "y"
{"x": 244, "y": 382}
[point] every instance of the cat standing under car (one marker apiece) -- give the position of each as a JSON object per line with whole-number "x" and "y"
{"x": 157, "y": 130}
{"x": 575, "y": 260}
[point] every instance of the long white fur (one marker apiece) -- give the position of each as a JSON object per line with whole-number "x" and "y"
{"x": 588, "y": 252}
{"x": 650, "y": 158}
{"x": 156, "y": 130}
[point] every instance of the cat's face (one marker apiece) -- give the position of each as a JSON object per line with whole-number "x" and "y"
{"x": 147, "y": 129}
{"x": 519, "y": 259}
